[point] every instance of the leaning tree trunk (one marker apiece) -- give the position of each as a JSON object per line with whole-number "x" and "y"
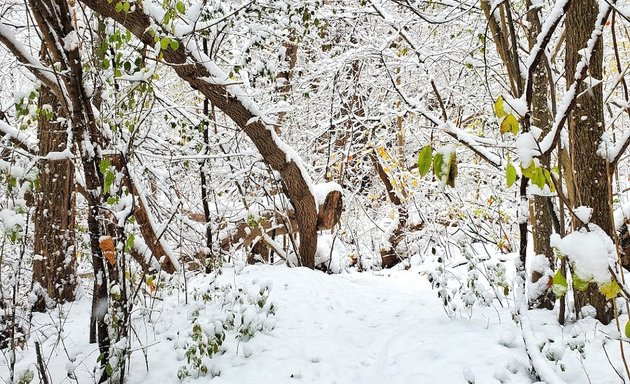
{"x": 586, "y": 126}
{"x": 188, "y": 68}
{"x": 54, "y": 265}
{"x": 541, "y": 117}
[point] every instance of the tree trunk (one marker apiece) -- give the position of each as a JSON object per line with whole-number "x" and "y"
{"x": 389, "y": 256}
{"x": 586, "y": 126}
{"x": 54, "y": 266}
{"x": 541, "y": 117}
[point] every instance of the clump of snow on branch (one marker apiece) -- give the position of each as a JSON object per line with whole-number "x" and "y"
{"x": 590, "y": 252}
{"x": 322, "y": 190}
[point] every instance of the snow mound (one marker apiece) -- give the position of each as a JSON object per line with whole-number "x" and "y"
{"x": 331, "y": 254}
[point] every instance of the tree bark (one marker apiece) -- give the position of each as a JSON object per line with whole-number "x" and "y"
{"x": 586, "y": 126}
{"x": 54, "y": 267}
{"x": 295, "y": 182}
{"x": 541, "y": 222}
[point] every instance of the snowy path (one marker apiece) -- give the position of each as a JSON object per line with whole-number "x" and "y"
{"x": 362, "y": 328}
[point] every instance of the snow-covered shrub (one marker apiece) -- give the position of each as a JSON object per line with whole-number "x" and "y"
{"x": 466, "y": 280}
{"x": 222, "y": 311}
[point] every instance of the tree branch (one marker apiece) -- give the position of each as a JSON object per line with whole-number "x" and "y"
{"x": 202, "y": 74}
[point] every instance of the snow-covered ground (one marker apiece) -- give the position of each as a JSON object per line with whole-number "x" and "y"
{"x": 365, "y": 328}
{"x": 371, "y": 327}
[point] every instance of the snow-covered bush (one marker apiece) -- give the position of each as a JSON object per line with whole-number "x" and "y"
{"x": 222, "y": 311}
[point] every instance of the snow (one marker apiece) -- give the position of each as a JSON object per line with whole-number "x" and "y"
{"x": 71, "y": 41}
{"x": 612, "y": 151}
{"x": 59, "y": 155}
{"x": 590, "y": 252}
{"x": 622, "y": 215}
{"x": 10, "y": 219}
{"x": 527, "y": 148}
{"x": 15, "y": 134}
{"x": 348, "y": 328}
{"x": 584, "y": 214}
{"x": 31, "y": 61}
{"x": 518, "y": 106}
{"x": 331, "y": 253}
{"x": 540, "y": 264}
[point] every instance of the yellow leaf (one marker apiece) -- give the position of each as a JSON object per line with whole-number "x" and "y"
{"x": 499, "y": 110}
{"x": 509, "y": 124}
{"x": 610, "y": 289}
{"x": 383, "y": 153}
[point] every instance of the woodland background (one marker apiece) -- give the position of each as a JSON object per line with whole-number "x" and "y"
{"x": 145, "y": 143}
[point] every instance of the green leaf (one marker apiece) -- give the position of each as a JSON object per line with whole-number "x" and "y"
{"x": 438, "y": 162}
{"x": 579, "y": 284}
{"x": 424, "y": 160}
{"x": 109, "y": 180}
{"x": 180, "y": 7}
{"x": 104, "y": 165}
{"x": 510, "y": 174}
{"x": 627, "y": 329}
{"x": 119, "y": 6}
{"x": 529, "y": 171}
{"x": 610, "y": 289}
{"x": 164, "y": 42}
{"x": 499, "y": 110}
{"x": 509, "y": 124}
{"x": 174, "y": 45}
{"x": 560, "y": 285}
{"x": 126, "y": 6}
{"x": 538, "y": 177}
{"x": 131, "y": 239}
{"x": 549, "y": 180}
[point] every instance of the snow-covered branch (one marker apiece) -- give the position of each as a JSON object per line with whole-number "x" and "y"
{"x": 41, "y": 72}
{"x": 569, "y": 99}
{"x": 19, "y": 138}
{"x": 449, "y": 128}
{"x": 537, "y": 52}
{"x": 203, "y": 74}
